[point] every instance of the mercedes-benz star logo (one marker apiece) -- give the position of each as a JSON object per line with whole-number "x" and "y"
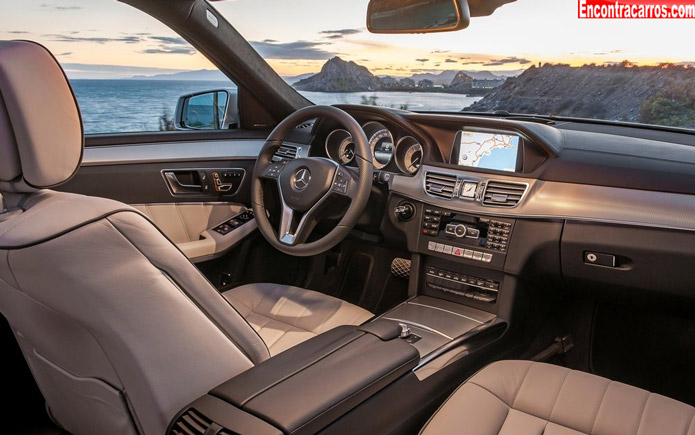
{"x": 301, "y": 179}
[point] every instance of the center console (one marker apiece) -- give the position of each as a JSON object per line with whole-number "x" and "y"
{"x": 306, "y": 388}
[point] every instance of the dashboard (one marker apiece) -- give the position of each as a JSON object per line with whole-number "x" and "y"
{"x": 485, "y": 198}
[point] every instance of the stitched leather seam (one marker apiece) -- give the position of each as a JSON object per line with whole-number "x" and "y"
{"x": 35, "y": 213}
{"x": 528, "y": 369}
{"x": 432, "y": 417}
{"x": 641, "y": 415}
{"x": 557, "y": 396}
{"x": 283, "y": 323}
{"x": 598, "y": 411}
{"x": 489, "y": 391}
{"x": 547, "y": 420}
{"x": 183, "y": 223}
{"x": 690, "y": 426}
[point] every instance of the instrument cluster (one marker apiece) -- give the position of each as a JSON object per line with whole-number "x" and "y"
{"x": 405, "y": 154}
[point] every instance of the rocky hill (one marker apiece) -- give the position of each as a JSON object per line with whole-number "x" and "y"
{"x": 338, "y": 75}
{"x": 660, "y": 95}
{"x": 461, "y": 81}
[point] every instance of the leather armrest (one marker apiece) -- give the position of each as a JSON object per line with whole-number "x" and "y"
{"x": 311, "y": 385}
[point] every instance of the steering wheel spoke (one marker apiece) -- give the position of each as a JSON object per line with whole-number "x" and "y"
{"x": 272, "y": 170}
{"x": 344, "y": 183}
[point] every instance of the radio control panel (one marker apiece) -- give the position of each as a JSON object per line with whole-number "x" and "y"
{"x": 465, "y": 237}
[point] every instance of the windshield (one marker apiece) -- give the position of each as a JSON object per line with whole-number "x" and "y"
{"x": 529, "y": 57}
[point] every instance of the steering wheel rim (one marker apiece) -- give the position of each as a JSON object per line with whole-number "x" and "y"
{"x": 291, "y": 176}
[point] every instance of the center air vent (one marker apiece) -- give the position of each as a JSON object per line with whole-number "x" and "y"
{"x": 440, "y": 185}
{"x": 191, "y": 422}
{"x": 288, "y": 152}
{"x": 503, "y": 193}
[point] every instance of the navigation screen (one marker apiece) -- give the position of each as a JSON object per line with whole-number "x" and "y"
{"x": 488, "y": 150}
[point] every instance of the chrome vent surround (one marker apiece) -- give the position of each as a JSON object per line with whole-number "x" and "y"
{"x": 289, "y": 152}
{"x": 441, "y": 185}
{"x": 192, "y": 422}
{"x": 503, "y": 193}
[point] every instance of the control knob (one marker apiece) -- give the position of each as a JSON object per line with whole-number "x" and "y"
{"x": 458, "y": 230}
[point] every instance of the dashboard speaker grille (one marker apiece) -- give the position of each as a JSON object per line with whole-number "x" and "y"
{"x": 503, "y": 193}
{"x": 440, "y": 185}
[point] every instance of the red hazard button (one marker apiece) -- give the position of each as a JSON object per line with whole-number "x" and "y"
{"x": 458, "y": 252}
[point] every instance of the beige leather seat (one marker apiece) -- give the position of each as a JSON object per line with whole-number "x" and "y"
{"x": 119, "y": 329}
{"x": 284, "y": 316}
{"x": 523, "y": 397}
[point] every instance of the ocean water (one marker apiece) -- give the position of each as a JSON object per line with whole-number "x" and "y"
{"x": 114, "y": 106}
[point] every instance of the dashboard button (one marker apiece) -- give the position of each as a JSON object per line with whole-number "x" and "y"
{"x": 477, "y": 256}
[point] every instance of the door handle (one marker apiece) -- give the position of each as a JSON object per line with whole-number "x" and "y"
{"x": 177, "y": 187}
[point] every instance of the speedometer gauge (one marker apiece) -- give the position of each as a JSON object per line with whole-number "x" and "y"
{"x": 340, "y": 147}
{"x": 408, "y": 155}
{"x": 381, "y": 144}
{"x": 382, "y": 148}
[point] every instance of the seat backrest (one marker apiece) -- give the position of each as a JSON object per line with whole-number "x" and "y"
{"x": 119, "y": 329}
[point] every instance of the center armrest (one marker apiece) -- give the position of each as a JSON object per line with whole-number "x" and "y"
{"x": 309, "y": 386}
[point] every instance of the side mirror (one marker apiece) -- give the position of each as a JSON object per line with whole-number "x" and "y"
{"x": 417, "y": 16}
{"x": 209, "y": 110}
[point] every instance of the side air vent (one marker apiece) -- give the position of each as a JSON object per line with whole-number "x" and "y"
{"x": 503, "y": 193}
{"x": 289, "y": 152}
{"x": 191, "y": 422}
{"x": 440, "y": 185}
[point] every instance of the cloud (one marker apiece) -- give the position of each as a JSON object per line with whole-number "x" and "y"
{"x": 422, "y": 60}
{"x": 173, "y": 40}
{"x": 83, "y": 70}
{"x": 450, "y": 61}
{"x": 170, "y": 50}
{"x": 473, "y": 62}
{"x": 67, "y": 53}
{"x": 440, "y": 51}
{"x": 507, "y": 60}
{"x": 61, "y": 8}
{"x": 18, "y": 32}
{"x": 291, "y": 50}
{"x": 339, "y": 34}
{"x": 131, "y": 39}
{"x": 606, "y": 53}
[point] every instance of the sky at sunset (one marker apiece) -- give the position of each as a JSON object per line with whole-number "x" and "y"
{"x": 107, "y": 39}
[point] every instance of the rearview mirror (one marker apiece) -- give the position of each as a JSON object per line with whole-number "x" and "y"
{"x": 417, "y": 16}
{"x": 210, "y": 110}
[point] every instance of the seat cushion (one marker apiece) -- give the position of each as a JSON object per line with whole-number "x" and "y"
{"x": 285, "y": 316}
{"x": 523, "y": 397}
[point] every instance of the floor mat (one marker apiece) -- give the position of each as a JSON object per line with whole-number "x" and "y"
{"x": 647, "y": 349}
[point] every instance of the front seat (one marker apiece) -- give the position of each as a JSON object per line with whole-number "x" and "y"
{"x": 119, "y": 329}
{"x": 524, "y": 398}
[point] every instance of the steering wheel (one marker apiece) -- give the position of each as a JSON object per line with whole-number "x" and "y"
{"x": 307, "y": 185}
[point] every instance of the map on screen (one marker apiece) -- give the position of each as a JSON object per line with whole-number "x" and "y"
{"x": 488, "y": 150}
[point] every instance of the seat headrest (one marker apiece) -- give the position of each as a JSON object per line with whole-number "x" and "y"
{"x": 41, "y": 133}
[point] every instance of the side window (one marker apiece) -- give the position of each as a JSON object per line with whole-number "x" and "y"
{"x": 130, "y": 73}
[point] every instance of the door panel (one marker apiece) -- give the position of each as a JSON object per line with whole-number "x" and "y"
{"x": 197, "y": 193}
{"x": 192, "y": 226}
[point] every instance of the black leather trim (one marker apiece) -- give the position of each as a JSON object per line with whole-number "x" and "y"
{"x": 383, "y": 329}
{"x": 311, "y": 385}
